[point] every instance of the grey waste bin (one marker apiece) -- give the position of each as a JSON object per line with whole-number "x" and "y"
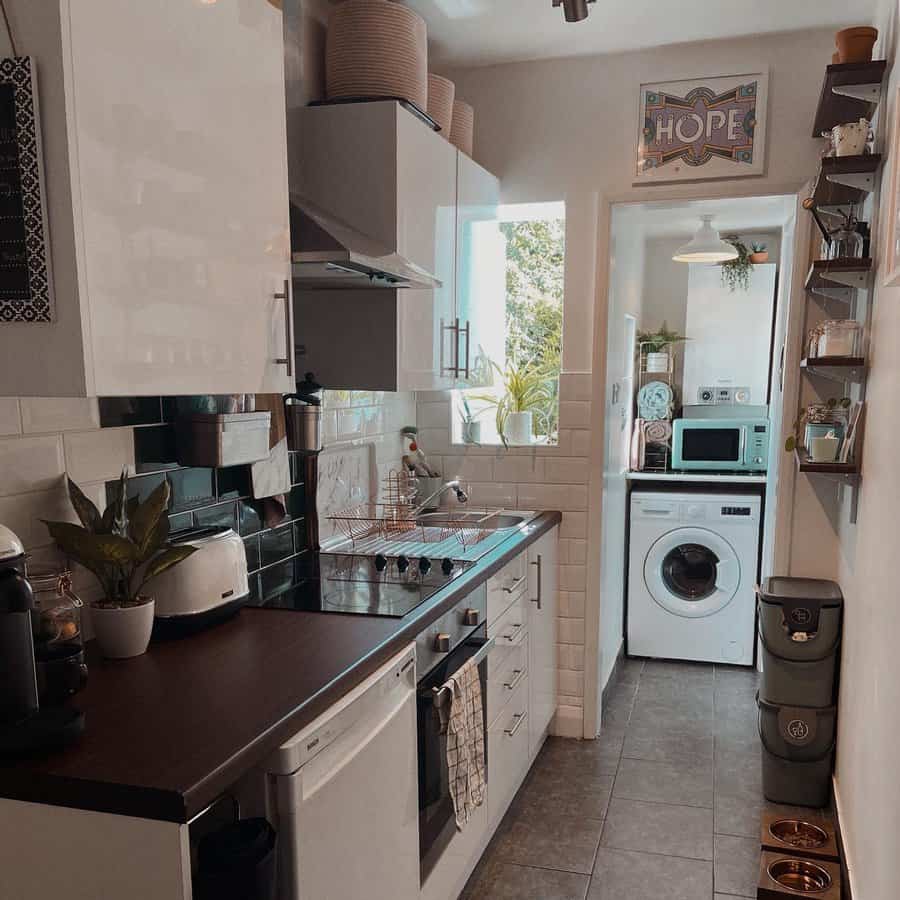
{"x": 798, "y": 749}
{"x": 800, "y": 631}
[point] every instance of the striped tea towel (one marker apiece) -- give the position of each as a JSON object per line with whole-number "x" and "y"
{"x": 465, "y": 743}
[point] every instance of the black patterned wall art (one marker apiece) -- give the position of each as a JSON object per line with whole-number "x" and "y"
{"x": 25, "y": 284}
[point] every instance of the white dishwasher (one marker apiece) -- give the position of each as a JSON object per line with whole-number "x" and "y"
{"x": 346, "y": 794}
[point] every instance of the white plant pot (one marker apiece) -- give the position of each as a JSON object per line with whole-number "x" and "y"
{"x": 519, "y": 428}
{"x": 124, "y": 631}
{"x": 658, "y": 362}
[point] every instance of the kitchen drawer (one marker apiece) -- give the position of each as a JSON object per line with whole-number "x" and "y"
{"x": 512, "y": 624}
{"x": 507, "y": 668}
{"x": 508, "y": 584}
{"x": 508, "y": 752}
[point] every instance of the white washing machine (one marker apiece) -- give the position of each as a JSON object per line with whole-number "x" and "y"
{"x": 692, "y": 575}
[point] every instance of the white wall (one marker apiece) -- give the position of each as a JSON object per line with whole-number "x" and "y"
{"x": 866, "y": 782}
{"x": 567, "y": 128}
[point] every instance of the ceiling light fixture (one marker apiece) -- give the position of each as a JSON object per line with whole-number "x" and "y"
{"x": 706, "y": 246}
{"x": 575, "y": 10}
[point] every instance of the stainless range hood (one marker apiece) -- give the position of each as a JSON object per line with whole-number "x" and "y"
{"x": 327, "y": 253}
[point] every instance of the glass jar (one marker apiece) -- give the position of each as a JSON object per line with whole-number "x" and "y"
{"x": 839, "y": 337}
{"x": 56, "y": 618}
{"x": 846, "y": 243}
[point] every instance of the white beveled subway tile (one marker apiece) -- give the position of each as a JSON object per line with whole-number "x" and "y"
{"x": 373, "y": 420}
{"x": 571, "y": 604}
{"x": 570, "y": 700}
{"x": 574, "y": 525}
{"x": 581, "y": 443}
{"x": 574, "y": 414}
{"x": 570, "y": 631}
{"x": 400, "y": 410}
{"x": 468, "y": 468}
{"x": 570, "y": 683}
{"x": 362, "y": 398}
{"x": 433, "y": 396}
{"x": 571, "y": 656}
{"x": 10, "y": 417}
{"x": 567, "y": 470}
{"x": 329, "y": 426}
{"x": 493, "y": 494}
{"x": 46, "y": 414}
{"x": 572, "y": 578}
{"x": 575, "y": 385}
{"x": 568, "y": 722}
{"x": 525, "y": 469}
{"x": 577, "y": 551}
{"x": 433, "y": 415}
{"x": 31, "y": 463}
{"x": 434, "y": 441}
{"x": 99, "y": 455}
{"x": 23, "y": 513}
{"x": 563, "y": 497}
{"x": 563, "y": 550}
{"x": 564, "y": 443}
{"x": 349, "y": 423}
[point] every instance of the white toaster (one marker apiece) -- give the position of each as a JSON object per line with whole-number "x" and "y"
{"x": 209, "y": 584}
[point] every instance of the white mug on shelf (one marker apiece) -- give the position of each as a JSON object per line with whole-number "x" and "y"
{"x": 850, "y": 139}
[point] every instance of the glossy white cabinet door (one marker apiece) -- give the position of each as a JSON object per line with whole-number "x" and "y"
{"x": 426, "y": 234}
{"x": 543, "y": 587}
{"x": 177, "y": 119}
{"x": 480, "y": 270}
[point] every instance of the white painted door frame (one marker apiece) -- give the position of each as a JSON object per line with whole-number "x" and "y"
{"x": 597, "y": 461}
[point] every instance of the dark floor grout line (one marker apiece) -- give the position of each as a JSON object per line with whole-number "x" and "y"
{"x": 663, "y": 803}
{"x": 654, "y": 853}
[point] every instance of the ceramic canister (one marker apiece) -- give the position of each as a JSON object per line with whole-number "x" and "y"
{"x": 850, "y": 138}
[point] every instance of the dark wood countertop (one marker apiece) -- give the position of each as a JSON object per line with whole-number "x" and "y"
{"x": 169, "y": 731}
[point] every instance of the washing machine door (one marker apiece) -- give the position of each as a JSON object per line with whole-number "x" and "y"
{"x": 692, "y": 572}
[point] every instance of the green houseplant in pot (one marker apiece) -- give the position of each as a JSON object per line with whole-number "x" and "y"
{"x": 736, "y": 272}
{"x": 526, "y": 391}
{"x": 656, "y": 347}
{"x": 125, "y": 548}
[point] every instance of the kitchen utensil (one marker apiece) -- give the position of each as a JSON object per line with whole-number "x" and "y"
{"x": 304, "y": 424}
{"x": 206, "y": 588}
{"x": 57, "y": 608}
{"x": 850, "y": 138}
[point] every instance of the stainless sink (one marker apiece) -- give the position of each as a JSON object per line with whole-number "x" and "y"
{"x": 500, "y": 522}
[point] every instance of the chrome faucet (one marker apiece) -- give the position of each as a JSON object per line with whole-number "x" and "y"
{"x": 454, "y": 485}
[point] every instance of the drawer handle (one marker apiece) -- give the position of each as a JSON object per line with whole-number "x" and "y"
{"x": 511, "y": 685}
{"x": 520, "y": 718}
{"x": 287, "y": 360}
{"x": 516, "y": 584}
{"x": 513, "y": 634}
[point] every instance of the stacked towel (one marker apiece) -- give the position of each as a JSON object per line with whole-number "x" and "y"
{"x": 465, "y": 743}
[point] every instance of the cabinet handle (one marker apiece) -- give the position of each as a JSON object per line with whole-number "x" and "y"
{"x": 515, "y": 585}
{"x": 451, "y": 369}
{"x": 288, "y": 360}
{"x": 468, "y": 331}
{"x": 520, "y": 718}
{"x": 540, "y": 577}
{"x": 511, "y": 685}
{"x": 513, "y": 634}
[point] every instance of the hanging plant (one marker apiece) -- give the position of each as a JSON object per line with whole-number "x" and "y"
{"x": 736, "y": 272}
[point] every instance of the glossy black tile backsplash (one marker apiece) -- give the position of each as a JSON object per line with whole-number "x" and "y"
{"x": 201, "y": 497}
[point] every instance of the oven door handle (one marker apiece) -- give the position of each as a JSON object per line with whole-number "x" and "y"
{"x": 441, "y": 695}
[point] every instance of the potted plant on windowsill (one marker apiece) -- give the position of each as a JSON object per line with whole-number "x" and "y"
{"x": 759, "y": 254}
{"x": 525, "y": 392}
{"x": 655, "y": 346}
{"x": 471, "y": 427}
{"x": 124, "y": 548}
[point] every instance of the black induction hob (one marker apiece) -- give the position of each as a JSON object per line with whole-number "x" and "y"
{"x": 367, "y": 585}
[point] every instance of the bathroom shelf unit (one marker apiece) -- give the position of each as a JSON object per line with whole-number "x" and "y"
{"x": 837, "y": 279}
{"x": 850, "y": 91}
{"x": 848, "y": 472}
{"x": 838, "y": 368}
{"x": 844, "y": 182}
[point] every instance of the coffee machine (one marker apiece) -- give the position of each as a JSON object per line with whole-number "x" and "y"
{"x": 24, "y": 726}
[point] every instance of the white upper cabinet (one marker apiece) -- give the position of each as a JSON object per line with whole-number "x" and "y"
{"x": 480, "y": 272}
{"x": 380, "y": 171}
{"x": 169, "y": 218}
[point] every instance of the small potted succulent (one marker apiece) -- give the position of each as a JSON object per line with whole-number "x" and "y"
{"x": 736, "y": 272}
{"x": 759, "y": 253}
{"x": 124, "y": 548}
{"x": 471, "y": 427}
{"x": 655, "y": 346}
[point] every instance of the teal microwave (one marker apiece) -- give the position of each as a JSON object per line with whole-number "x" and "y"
{"x": 706, "y": 445}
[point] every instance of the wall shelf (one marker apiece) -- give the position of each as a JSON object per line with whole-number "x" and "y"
{"x": 836, "y": 279}
{"x": 844, "y": 181}
{"x": 844, "y": 471}
{"x": 838, "y": 368}
{"x": 850, "y": 91}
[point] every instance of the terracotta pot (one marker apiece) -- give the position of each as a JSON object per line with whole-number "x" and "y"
{"x": 761, "y": 257}
{"x": 376, "y": 49}
{"x": 123, "y": 631}
{"x": 835, "y": 58}
{"x": 855, "y": 44}
{"x": 462, "y": 130}
{"x": 441, "y": 93}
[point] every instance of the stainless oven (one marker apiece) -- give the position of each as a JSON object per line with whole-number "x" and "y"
{"x": 459, "y": 636}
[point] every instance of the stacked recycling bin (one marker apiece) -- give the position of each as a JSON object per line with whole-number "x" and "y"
{"x": 800, "y": 633}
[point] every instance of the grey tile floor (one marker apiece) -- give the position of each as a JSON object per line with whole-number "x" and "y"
{"x": 664, "y": 805}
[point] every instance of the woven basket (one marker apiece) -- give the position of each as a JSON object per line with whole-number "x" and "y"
{"x": 376, "y": 48}
{"x": 441, "y": 92}
{"x": 462, "y": 130}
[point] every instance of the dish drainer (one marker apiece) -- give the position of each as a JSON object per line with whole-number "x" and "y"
{"x": 396, "y": 519}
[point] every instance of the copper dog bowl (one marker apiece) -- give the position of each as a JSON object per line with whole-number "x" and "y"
{"x": 798, "y": 834}
{"x": 799, "y": 875}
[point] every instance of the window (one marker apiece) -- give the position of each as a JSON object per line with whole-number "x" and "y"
{"x": 517, "y": 400}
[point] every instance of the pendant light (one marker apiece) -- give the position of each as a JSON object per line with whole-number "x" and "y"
{"x": 575, "y": 10}
{"x": 706, "y": 246}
